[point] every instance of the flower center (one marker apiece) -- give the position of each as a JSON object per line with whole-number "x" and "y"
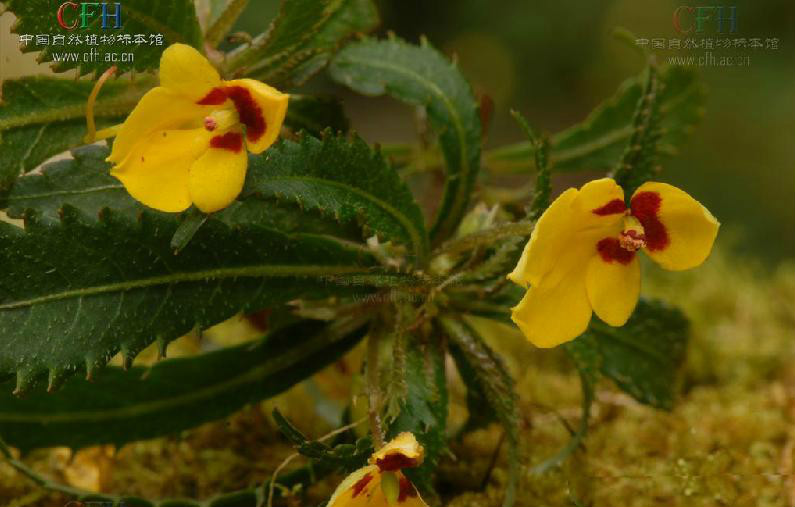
{"x": 633, "y": 237}
{"x": 222, "y": 119}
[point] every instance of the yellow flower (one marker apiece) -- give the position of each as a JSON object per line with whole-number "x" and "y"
{"x": 381, "y": 483}
{"x": 183, "y": 143}
{"x": 581, "y": 257}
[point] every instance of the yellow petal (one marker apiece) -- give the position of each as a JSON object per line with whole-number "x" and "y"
{"x": 363, "y": 488}
{"x": 261, "y": 109}
{"x": 568, "y": 230}
{"x": 613, "y": 286}
{"x": 403, "y": 451}
{"x": 159, "y": 109}
{"x": 217, "y": 177}
{"x": 601, "y": 198}
{"x": 155, "y": 171}
{"x": 549, "y": 316}
{"x": 187, "y": 72}
{"x": 550, "y": 235}
{"x": 679, "y": 230}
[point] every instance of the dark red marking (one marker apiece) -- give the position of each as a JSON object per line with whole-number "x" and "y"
{"x": 395, "y": 461}
{"x": 610, "y": 250}
{"x": 231, "y": 141}
{"x": 361, "y": 484}
{"x": 646, "y": 208}
{"x": 248, "y": 111}
{"x": 613, "y": 207}
{"x": 407, "y": 489}
{"x": 215, "y": 97}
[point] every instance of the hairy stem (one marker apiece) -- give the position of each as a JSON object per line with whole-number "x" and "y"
{"x": 486, "y": 237}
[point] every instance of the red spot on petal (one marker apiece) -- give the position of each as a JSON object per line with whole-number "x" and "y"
{"x": 395, "y": 461}
{"x": 407, "y": 489}
{"x": 231, "y": 141}
{"x": 248, "y": 110}
{"x": 610, "y": 250}
{"x": 215, "y": 97}
{"x": 612, "y": 208}
{"x": 646, "y": 208}
{"x": 361, "y": 484}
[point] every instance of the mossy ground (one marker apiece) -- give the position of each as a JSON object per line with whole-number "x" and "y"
{"x": 730, "y": 441}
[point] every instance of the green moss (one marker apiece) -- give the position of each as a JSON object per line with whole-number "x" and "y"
{"x": 728, "y": 442}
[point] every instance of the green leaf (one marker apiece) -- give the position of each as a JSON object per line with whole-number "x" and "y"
{"x": 75, "y": 292}
{"x": 422, "y": 76}
{"x": 642, "y": 357}
{"x": 175, "y": 20}
{"x": 424, "y": 410}
{"x": 598, "y": 143}
{"x": 83, "y": 182}
{"x": 490, "y": 391}
{"x": 302, "y": 38}
{"x": 41, "y": 117}
{"x": 344, "y": 179}
{"x": 316, "y": 114}
{"x": 174, "y": 394}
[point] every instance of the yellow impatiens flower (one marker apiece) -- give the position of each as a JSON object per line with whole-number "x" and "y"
{"x": 581, "y": 257}
{"x": 381, "y": 483}
{"x": 184, "y": 144}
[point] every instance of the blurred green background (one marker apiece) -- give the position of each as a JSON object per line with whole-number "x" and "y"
{"x": 554, "y": 61}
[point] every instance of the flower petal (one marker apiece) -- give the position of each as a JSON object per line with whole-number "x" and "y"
{"x": 362, "y": 488}
{"x": 159, "y": 109}
{"x": 679, "y": 230}
{"x": 613, "y": 286}
{"x": 217, "y": 177}
{"x": 569, "y": 229}
{"x": 549, "y": 316}
{"x": 187, "y": 72}
{"x": 550, "y": 236}
{"x": 601, "y": 198}
{"x": 155, "y": 171}
{"x": 403, "y": 451}
{"x": 261, "y": 108}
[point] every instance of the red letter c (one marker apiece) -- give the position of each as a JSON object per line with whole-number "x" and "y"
{"x": 677, "y": 24}
{"x": 60, "y": 15}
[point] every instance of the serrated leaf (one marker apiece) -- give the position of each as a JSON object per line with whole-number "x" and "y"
{"x": 83, "y": 182}
{"x": 41, "y": 117}
{"x": 424, "y": 410}
{"x": 302, "y": 38}
{"x": 642, "y": 357}
{"x": 315, "y": 114}
{"x": 74, "y": 293}
{"x": 422, "y": 76}
{"x": 175, "y": 20}
{"x": 344, "y": 179}
{"x": 491, "y": 391}
{"x": 174, "y": 394}
{"x": 598, "y": 142}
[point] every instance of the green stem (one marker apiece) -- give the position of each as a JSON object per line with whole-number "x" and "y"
{"x": 485, "y": 237}
{"x": 374, "y": 389}
{"x": 221, "y": 26}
